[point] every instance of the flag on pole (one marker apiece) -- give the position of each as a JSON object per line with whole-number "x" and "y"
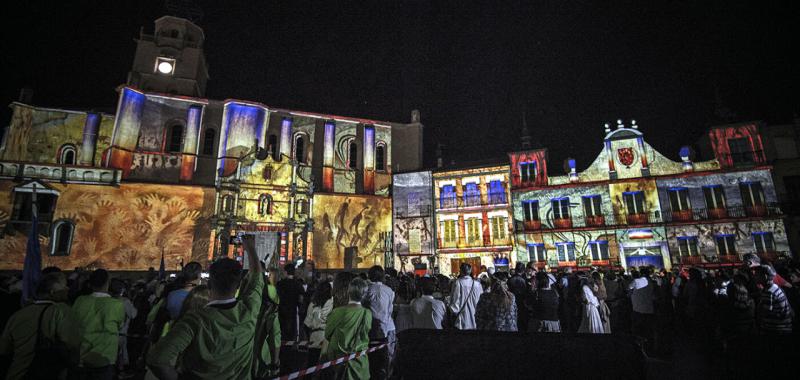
{"x": 162, "y": 270}
{"x": 32, "y": 268}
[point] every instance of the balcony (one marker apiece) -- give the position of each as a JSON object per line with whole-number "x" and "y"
{"x": 562, "y": 223}
{"x": 640, "y": 218}
{"x": 471, "y": 202}
{"x": 691, "y": 260}
{"x": 532, "y": 225}
{"x": 595, "y": 221}
{"x": 729, "y": 259}
{"x": 698, "y": 214}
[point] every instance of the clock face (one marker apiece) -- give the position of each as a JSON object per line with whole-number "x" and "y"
{"x": 165, "y": 67}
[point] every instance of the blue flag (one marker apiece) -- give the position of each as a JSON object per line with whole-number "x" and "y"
{"x": 32, "y": 269}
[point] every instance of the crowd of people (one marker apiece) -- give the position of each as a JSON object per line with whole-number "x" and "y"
{"x": 253, "y": 324}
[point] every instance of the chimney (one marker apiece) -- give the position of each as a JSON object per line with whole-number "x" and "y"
{"x": 26, "y": 95}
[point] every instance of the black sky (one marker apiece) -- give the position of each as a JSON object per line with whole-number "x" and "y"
{"x": 471, "y": 69}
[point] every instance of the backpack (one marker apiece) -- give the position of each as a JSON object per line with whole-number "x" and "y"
{"x": 50, "y": 357}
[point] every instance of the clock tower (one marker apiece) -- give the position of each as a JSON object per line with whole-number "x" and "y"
{"x": 171, "y": 60}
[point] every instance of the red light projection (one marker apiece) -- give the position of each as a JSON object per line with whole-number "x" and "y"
{"x": 736, "y": 144}
{"x": 537, "y": 176}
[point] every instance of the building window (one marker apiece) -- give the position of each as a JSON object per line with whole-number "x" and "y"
{"x": 352, "y": 155}
{"x": 726, "y": 244}
{"x": 679, "y": 198}
{"x": 208, "y": 142}
{"x": 527, "y": 171}
{"x": 537, "y": 253}
{"x": 752, "y": 193}
{"x": 22, "y": 213}
{"x": 634, "y": 202}
{"x": 566, "y": 251}
{"x": 380, "y": 157}
{"x": 67, "y": 155}
{"x": 741, "y": 151}
{"x": 687, "y": 246}
{"x": 497, "y": 192}
{"x": 302, "y": 207}
{"x": 499, "y": 228}
{"x": 447, "y": 197}
{"x": 592, "y": 205}
{"x": 272, "y": 146}
{"x": 560, "y": 208}
{"x": 449, "y": 234}
{"x": 472, "y": 196}
{"x": 227, "y": 204}
{"x": 264, "y": 205}
{"x": 300, "y": 148}
{"x": 715, "y": 196}
{"x": 530, "y": 210}
{"x": 175, "y": 139}
{"x": 764, "y": 242}
{"x": 474, "y": 231}
{"x": 61, "y": 242}
{"x": 599, "y": 249}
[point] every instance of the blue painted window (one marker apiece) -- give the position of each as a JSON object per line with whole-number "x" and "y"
{"x": 592, "y": 205}
{"x": 472, "y": 196}
{"x": 764, "y": 242}
{"x": 447, "y": 198}
{"x": 599, "y": 249}
{"x": 497, "y": 192}
{"x": 560, "y": 207}
{"x": 537, "y": 252}
{"x": 527, "y": 171}
{"x": 687, "y": 246}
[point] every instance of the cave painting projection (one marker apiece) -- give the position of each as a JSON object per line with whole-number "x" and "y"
{"x": 342, "y": 221}
{"x": 118, "y": 228}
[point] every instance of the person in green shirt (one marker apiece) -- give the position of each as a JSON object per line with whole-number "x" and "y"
{"x": 58, "y": 325}
{"x": 347, "y": 332}
{"x": 267, "y": 343}
{"x": 100, "y": 318}
{"x": 215, "y": 342}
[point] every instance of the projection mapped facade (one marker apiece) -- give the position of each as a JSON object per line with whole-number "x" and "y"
{"x": 186, "y": 173}
{"x": 632, "y": 206}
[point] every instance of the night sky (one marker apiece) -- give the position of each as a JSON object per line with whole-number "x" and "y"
{"x": 471, "y": 70}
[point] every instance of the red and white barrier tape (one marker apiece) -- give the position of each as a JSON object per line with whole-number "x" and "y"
{"x": 321, "y": 366}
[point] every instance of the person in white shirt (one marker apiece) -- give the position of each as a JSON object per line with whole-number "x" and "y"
{"x": 464, "y": 298}
{"x": 426, "y": 311}
{"x": 316, "y": 318}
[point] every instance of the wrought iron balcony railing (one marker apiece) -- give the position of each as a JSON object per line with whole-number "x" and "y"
{"x": 471, "y": 201}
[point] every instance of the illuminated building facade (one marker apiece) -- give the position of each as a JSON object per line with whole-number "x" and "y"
{"x": 172, "y": 172}
{"x": 633, "y": 206}
{"x": 472, "y": 216}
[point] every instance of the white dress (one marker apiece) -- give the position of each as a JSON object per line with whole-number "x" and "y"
{"x": 590, "y": 322}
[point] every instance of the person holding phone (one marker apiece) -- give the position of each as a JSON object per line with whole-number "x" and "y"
{"x": 217, "y": 340}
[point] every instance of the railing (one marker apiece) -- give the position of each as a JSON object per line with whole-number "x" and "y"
{"x": 471, "y": 201}
{"x": 665, "y": 216}
{"x": 423, "y": 211}
{"x": 695, "y": 214}
{"x": 733, "y": 259}
{"x": 464, "y": 243}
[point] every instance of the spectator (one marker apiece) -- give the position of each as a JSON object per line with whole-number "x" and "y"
{"x": 615, "y": 299}
{"x": 599, "y": 289}
{"x": 216, "y": 341}
{"x": 518, "y": 286}
{"x": 187, "y": 279}
{"x": 427, "y": 312}
{"x": 290, "y": 292}
{"x": 118, "y": 291}
{"x": 643, "y": 302}
{"x": 341, "y": 283}
{"x": 316, "y": 317}
{"x": 497, "y": 310}
{"x": 591, "y": 321}
{"x": 100, "y": 318}
{"x": 52, "y": 316}
{"x": 774, "y": 314}
{"x": 267, "y": 343}
{"x": 464, "y": 299}
{"x": 347, "y": 332}
{"x": 543, "y": 303}
{"x": 379, "y": 298}
{"x": 740, "y": 313}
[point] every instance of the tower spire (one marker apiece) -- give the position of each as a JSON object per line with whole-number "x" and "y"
{"x": 526, "y": 135}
